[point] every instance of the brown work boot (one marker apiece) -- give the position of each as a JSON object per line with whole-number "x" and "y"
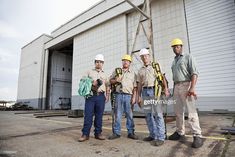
{"x": 100, "y": 137}
{"x": 149, "y": 138}
{"x": 176, "y": 136}
{"x": 114, "y": 136}
{"x": 132, "y": 136}
{"x": 83, "y": 138}
{"x": 197, "y": 142}
{"x": 157, "y": 142}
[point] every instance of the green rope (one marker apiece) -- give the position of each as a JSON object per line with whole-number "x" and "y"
{"x": 85, "y": 87}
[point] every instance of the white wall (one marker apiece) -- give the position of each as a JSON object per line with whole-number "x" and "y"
{"x": 109, "y": 39}
{"x": 29, "y": 80}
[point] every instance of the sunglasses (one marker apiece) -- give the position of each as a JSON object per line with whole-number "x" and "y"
{"x": 99, "y": 62}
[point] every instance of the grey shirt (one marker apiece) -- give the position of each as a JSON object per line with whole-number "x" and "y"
{"x": 183, "y": 67}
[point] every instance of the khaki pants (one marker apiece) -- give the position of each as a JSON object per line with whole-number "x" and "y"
{"x": 182, "y": 102}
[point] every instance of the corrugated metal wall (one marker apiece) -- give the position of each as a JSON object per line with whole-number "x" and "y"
{"x": 211, "y": 27}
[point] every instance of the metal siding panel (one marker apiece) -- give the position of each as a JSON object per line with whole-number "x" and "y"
{"x": 211, "y": 27}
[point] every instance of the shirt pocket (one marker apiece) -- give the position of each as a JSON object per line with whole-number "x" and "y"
{"x": 129, "y": 81}
{"x": 183, "y": 66}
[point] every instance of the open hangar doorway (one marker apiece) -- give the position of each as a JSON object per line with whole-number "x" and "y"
{"x": 59, "y": 76}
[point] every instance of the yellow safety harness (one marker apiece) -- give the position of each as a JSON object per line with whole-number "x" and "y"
{"x": 159, "y": 80}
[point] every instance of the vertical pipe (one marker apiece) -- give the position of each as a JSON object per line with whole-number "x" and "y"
{"x": 150, "y": 27}
{"x": 186, "y": 24}
{"x": 44, "y": 81}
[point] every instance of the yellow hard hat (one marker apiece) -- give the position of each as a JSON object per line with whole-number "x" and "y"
{"x": 127, "y": 57}
{"x": 176, "y": 41}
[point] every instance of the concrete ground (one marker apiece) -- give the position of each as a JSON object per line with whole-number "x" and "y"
{"x": 22, "y": 135}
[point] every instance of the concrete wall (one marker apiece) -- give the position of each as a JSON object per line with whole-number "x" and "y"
{"x": 30, "y": 74}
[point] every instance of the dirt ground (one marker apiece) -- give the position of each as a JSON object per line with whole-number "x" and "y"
{"x": 23, "y": 135}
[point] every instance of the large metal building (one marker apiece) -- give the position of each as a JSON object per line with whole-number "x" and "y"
{"x": 52, "y": 65}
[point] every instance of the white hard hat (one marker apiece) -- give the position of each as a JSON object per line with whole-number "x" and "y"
{"x": 144, "y": 52}
{"x": 99, "y": 57}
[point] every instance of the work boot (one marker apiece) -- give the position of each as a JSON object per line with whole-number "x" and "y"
{"x": 197, "y": 142}
{"x": 176, "y": 136}
{"x": 83, "y": 138}
{"x": 114, "y": 136}
{"x": 132, "y": 136}
{"x": 157, "y": 142}
{"x": 99, "y": 137}
{"x": 149, "y": 138}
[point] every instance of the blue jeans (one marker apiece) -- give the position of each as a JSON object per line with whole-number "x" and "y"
{"x": 155, "y": 122}
{"x": 123, "y": 103}
{"x": 93, "y": 105}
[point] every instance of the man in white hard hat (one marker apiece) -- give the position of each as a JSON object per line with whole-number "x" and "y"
{"x": 146, "y": 87}
{"x": 95, "y": 104}
{"x": 124, "y": 82}
{"x": 185, "y": 76}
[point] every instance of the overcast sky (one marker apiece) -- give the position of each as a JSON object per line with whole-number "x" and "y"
{"x": 21, "y": 21}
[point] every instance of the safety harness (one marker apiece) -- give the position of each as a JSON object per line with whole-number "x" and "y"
{"x": 159, "y": 80}
{"x": 85, "y": 85}
{"x": 118, "y": 73}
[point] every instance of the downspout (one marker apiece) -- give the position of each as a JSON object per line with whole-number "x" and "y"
{"x": 186, "y": 24}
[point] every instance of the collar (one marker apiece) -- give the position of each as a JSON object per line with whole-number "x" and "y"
{"x": 128, "y": 70}
{"x": 179, "y": 55}
{"x": 98, "y": 70}
{"x": 146, "y": 66}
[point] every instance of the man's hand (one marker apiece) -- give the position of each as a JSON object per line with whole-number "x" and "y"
{"x": 133, "y": 101}
{"x": 166, "y": 91}
{"x": 94, "y": 83}
{"x": 191, "y": 92}
{"x": 118, "y": 79}
{"x": 107, "y": 98}
{"x": 139, "y": 101}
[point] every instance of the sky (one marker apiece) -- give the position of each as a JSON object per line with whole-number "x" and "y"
{"x": 21, "y": 21}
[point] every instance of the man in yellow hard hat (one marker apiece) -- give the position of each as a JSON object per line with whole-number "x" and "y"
{"x": 185, "y": 76}
{"x": 125, "y": 97}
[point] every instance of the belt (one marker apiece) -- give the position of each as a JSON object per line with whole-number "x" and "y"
{"x": 150, "y": 87}
{"x": 98, "y": 93}
{"x": 180, "y": 82}
{"x": 124, "y": 93}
